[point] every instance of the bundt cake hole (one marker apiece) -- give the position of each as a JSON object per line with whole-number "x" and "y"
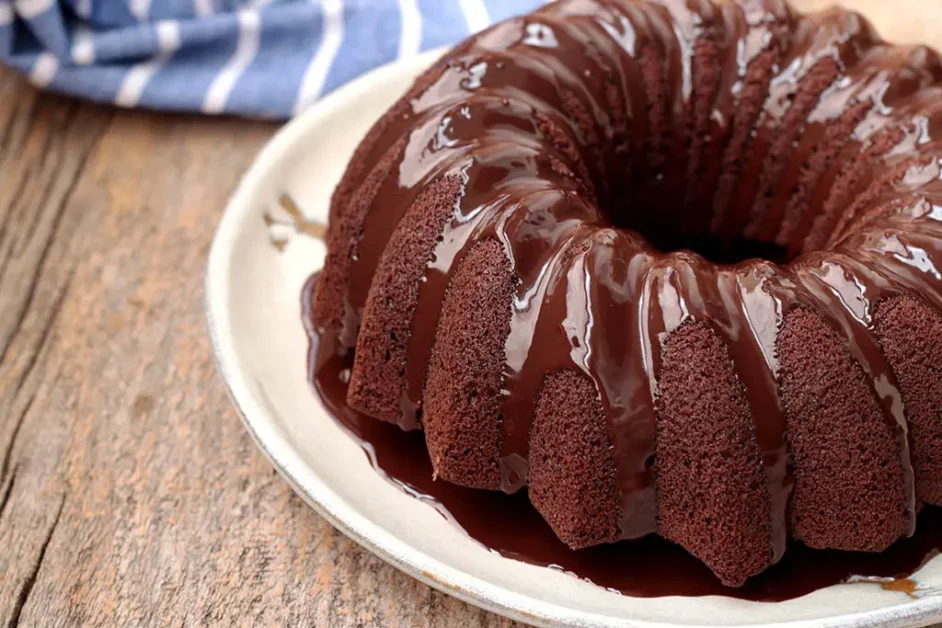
{"x": 713, "y": 247}
{"x": 720, "y": 219}
{"x": 639, "y": 207}
{"x": 635, "y": 209}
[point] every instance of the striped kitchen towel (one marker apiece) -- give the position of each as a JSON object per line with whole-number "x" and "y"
{"x": 267, "y": 58}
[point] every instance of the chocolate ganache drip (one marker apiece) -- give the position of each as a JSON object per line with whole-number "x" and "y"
{"x": 651, "y": 261}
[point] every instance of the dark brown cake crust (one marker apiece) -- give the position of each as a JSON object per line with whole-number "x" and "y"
{"x": 911, "y": 335}
{"x": 572, "y": 471}
{"x": 848, "y": 481}
{"x": 377, "y": 378}
{"x": 342, "y": 243}
{"x": 755, "y": 87}
{"x": 712, "y": 496}
{"x": 463, "y": 392}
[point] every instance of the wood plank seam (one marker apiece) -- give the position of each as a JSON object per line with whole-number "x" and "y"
{"x": 54, "y": 152}
{"x": 26, "y": 122}
{"x": 45, "y": 336}
{"x": 9, "y": 491}
{"x": 23, "y": 596}
{"x": 7, "y": 218}
{"x": 47, "y": 246}
{"x": 8, "y": 454}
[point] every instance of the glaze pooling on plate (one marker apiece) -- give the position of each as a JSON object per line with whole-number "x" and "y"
{"x": 650, "y": 567}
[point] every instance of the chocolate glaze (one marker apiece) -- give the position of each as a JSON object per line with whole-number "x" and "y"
{"x": 647, "y": 567}
{"x": 522, "y": 116}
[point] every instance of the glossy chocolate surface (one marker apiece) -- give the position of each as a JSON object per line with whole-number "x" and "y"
{"x": 603, "y": 269}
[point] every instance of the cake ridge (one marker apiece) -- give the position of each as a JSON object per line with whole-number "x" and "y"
{"x": 755, "y": 72}
{"x": 913, "y": 359}
{"x": 707, "y": 297}
{"x": 538, "y": 319}
{"x": 451, "y": 249}
{"x": 898, "y": 74}
{"x": 873, "y": 149}
{"x": 838, "y": 112}
{"x": 462, "y": 389}
{"x": 675, "y": 62}
{"x": 812, "y": 64}
{"x": 852, "y": 327}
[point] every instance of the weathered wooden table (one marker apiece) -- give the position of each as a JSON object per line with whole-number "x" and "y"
{"x": 129, "y": 491}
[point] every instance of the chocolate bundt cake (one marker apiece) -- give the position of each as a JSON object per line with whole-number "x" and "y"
{"x": 672, "y": 266}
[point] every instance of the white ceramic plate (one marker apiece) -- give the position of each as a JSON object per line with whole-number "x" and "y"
{"x": 253, "y": 290}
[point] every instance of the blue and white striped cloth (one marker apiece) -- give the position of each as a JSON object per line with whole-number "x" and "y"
{"x": 266, "y": 58}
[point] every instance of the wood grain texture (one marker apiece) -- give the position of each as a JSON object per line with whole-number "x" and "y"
{"x": 130, "y": 494}
{"x": 129, "y": 491}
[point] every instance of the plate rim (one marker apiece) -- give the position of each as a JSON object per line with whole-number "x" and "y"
{"x": 318, "y": 495}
